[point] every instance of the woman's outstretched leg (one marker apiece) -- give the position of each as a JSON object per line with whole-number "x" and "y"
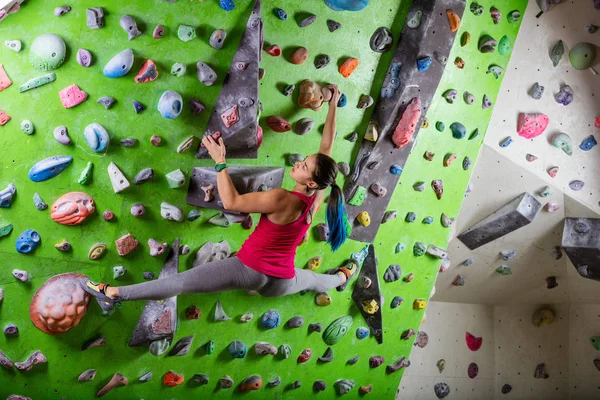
{"x": 217, "y": 276}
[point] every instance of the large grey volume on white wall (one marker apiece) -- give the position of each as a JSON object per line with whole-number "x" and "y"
{"x": 500, "y": 308}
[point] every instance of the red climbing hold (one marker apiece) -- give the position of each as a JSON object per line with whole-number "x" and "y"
{"x": 259, "y": 135}
{"x": 473, "y": 370}
{"x": 597, "y": 122}
{"x": 4, "y": 118}
{"x": 273, "y": 50}
{"x": 531, "y": 125}
{"x": 172, "y": 379}
{"x": 408, "y": 123}
{"x": 278, "y": 124}
{"x": 473, "y": 343}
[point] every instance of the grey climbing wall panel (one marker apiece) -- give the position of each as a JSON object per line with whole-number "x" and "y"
{"x": 245, "y": 179}
{"x": 373, "y": 292}
{"x": 581, "y": 242}
{"x": 516, "y": 214}
{"x": 159, "y": 319}
{"x": 235, "y": 112}
{"x": 414, "y": 43}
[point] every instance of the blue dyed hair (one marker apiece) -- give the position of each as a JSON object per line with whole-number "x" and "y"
{"x": 324, "y": 176}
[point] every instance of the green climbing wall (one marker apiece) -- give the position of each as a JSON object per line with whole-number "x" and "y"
{"x": 42, "y": 106}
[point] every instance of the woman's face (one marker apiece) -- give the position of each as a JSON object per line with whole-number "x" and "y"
{"x": 302, "y": 171}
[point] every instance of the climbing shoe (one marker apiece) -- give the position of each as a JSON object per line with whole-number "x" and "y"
{"x": 98, "y": 290}
{"x": 350, "y": 269}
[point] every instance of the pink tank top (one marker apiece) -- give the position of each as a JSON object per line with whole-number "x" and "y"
{"x": 271, "y": 248}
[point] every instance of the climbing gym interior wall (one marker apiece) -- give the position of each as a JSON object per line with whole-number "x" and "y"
{"x": 508, "y": 280}
{"x": 436, "y": 144}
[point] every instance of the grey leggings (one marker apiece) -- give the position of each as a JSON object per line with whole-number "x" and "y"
{"x": 227, "y": 274}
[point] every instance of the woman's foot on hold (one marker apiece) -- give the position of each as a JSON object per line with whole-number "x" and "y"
{"x": 99, "y": 291}
{"x": 348, "y": 271}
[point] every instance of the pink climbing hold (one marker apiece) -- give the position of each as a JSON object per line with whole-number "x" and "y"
{"x": 259, "y": 135}
{"x": 72, "y": 96}
{"x": 531, "y": 125}
{"x": 4, "y": 79}
{"x": 408, "y": 123}
{"x": 597, "y": 122}
{"x": 473, "y": 343}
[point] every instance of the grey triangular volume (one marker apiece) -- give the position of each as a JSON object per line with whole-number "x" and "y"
{"x": 235, "y": 112}
{"x": 373, "y": 292}
{"x": 159, "y": 319}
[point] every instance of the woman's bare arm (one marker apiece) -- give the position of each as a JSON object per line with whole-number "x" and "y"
{"x": 268, "y": 202}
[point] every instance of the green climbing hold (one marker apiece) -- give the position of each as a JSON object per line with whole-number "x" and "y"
{"x": 47, "y": 52}
{"x": 86, "y": 174}
{"x": 343, "y": 386}
{"x": 337, "y": 330}
{"x": 504, "y": 270}
{"x": 415, "y": 20}
{"x": 595, "y": 341}
{"x": 5, "y": 230}
{"x": 285, "y": 351}
{"x": 160, "y": 346}
{"x": 419, "y": 249}
{"x": 495, "y": 70}
{"x": 557, "y": 52}
{"x": 186, "y": 33}
{"x": 504, "y": 46}
{"x": 237, "y": 349}
{"x": 474, "y": 134}
{"x": 465, "y": 39}
{"x": 582, "y": 55}
{"x": 458, "y": 130}
{"x": 209, "y": 347}
{"x": 514, "y": 16}
{"x": 358, "y": 197}
{"x": 440, "y": 126}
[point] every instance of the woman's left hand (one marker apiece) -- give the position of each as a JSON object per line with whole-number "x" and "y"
{"x": 215, "y": 150}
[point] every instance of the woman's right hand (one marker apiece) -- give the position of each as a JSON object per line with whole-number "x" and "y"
{"x": 335, "y": 95}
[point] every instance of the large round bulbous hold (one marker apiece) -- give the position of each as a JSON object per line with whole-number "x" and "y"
{"x": 59, "y": 304}
{"x": 170, "y": 104}
{"x": 47, "y": 52}
{"x": 119, "y": 65}
{"x": 582, "y": 55}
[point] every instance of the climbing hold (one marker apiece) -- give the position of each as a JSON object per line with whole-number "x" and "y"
{"x": 21, "y": 275}
{"x": 508, "y": 254}
{"x": 178, "y": 69}
{"x": 147, "y": 73}
{"x": 495, "y": 70}
{"x": 496, "y": 15}
{"x": 206, "y": 74}
{"x": 220, "y": 314}
{"x": 237, "y": 349}
{"x": 558, "y": 50}
{"x": 376, "y": 361}
{"x": 322, "y": 299}
{"x": 437, "y": 252}
{"x": 273, "y": 50}
{"x": 410, "y": 217}
{"x": 453, "y": 20}
{"x": 473, "y": 343}
{"x": 128, "y": 24}
{"x": 472, "y": 370}
{"x": 72, "y": 208}
{"x": 442, "y": 389}
{"x": 143, "y": 176}
{"x": 365, "y": 101}
{"x": 47, "y": 52}
{"x": 34, "y": 359}
{"x": 428, "y": 220}
{"x": 459, "y": 62}
{"x": 513, "y": 16}
{"x": 155, "y": 140}
{"x": 217, "y": 39}
{"x": 170, "y": 104}
{"x": 323, "y": 230}
{"x": 458, "y": 281}
{"x": 564, "y": 96}
{"x": 14, "y": 45}
{"x": 172, "y": 379}
{"x": 307, "y": 21}
{"x": 388, "y": 216}
{"x": 504, "y": 270}
{"x": 138, "y": 107}
{"x": 362, "y": 332}
{"x": 450, "y": 95}
{"x": 96, "y": 137}
{"x": 126, "y": 244}
{"x": 582, "y": 55}
{"x": 595, "y": 341}
{"x": 540, "y": 372}
{"x": 591, "y": 28}
{"x": 182, "y": 347}
{"x": 327, "y": 356}
{"x": 337, "y": 329}
{"x": 506, "y": 142}
{"x": 192, "y": 312}
{"x": 281, "y": 14}
{"x": 438, "y": 187}
{"x": 395, "y": 169}
{"x": 186, "y": 33}
{"x": 409, "y": 278}
{"x": 543, "y": 316}
{"x": 87, "y": 376}
{"x": 423, "y": 64}
{"x": 400, "y": 363}
{"x": 487, "y": 44}
{"x": 407, "y": 125}
{"x": 11, "y": 330}
{"x": 552, "y": 206}
{"x": 156, "y": 248}
{"x": 97, "y": 251}
{"x": 119, "y": 65}
{"x": 28, "y": 241}
{"x": 94, "y": 17}
{"x": 563, "y": 141}
{"x": 84, "y": 58}
{"x": 465, "y": 39}
{"x": 397, "y": 301}
{"x": 419, "y": 249}
{"x": 458, "y": 130}
{"x": 536, "y": 91}
{"x": 379, "y": 190}
{"x": 419, "y": 186}
{"x": 342, "y": 101}
{"x": 253, "y": 382}
{"x": 428, "y": 155}
{"x": 314, "y": 263}
{"x": 170, "y": 212}
{"x": 553, "y": 171}
{"x": 392, "y": 273}
{"x": 176, "y": 179}
{"x": 363, "y": 218}
{"x": 446, "y": 221}
{"x": 128, "y": 142}
{"x": 299, "y": 56}
{"x": 441, "y": 364}
{"x": 381, "y": 40}
{"x": 270, "y": 319}
{"x": 333, "y": 26}
{"x": 530, "y": 126}
{"x": 63, "y": 246}
{"x": 485, "y": 103}
{"x": 344, "y": 168}
{"x": 295, "y": 322}
{"x": 469, "y": 99}
{"x": 106, "y": 101}
{"x": 49, "y": 168}
{"x": 348, "y": 67}
{"x": 466, "y": 164}
{"x": 61, "y": 10}
{"x": 343, "y": 386}
{"x": 504, "y": 46}
{"x": 72, "y": 96}
{"x": 278, "y": 123}
{"x": 304, "y": 356}
{"x": 576, "y": 185}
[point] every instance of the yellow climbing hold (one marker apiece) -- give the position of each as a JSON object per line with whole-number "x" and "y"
{"x": 419, "y": 304}
{"x": 314, "y": 263}
{"x": 370, "y": 306}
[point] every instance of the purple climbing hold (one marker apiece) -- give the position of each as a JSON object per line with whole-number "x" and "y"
{"x": 84, "y": 58}
{"x": 564, "y": 96}
{"x": 307, "y": 21}
{"x": 11, "y": 330}
{"x": 473, "y": 370}
{"x": 333, "y": 26}
{"x": 196, "y": 106}
{"x": 159, "y": 31}
{"x": 576, "y": 185}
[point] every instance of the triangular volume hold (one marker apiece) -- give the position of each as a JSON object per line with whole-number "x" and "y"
{"x": 367, "y": 295}
{"x": 235, "y": 114}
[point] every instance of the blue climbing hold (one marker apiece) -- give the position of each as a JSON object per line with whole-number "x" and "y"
{"x": 389, "y": 90}
{"x": 138, "y": 107}
{"x": 342, "y": 101}
{"x": 397, "y": 301}
{"x": 282, "y": 15}
{"x": 7, "y": 195}
{"x": 395, "y": 169}
{"x": 458, "y": 130}
{"x": 362, "y": 332}
{"x": 49, "y": 168}
{"x": 237, "y": 349}
{"x": 270, "y": 319}
{"x": 347, "y": 5}
{"x": 506, "y": 142}
{"x": 428, "y": 220}
{"x": 170, "y": 104}
{"x": 588, "y": 143}
{"x": 28, "y": 241}
{"x": 467, "y": 262}
{"x": 410, "y": 217}
{"x": 96, "y": 137}
{"x": 227, "y": 5}
{"x": 423, "y": 63}
{"x": 119, "y": 65}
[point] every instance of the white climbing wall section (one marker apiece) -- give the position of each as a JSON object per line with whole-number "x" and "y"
{"x": 531, "y": 63}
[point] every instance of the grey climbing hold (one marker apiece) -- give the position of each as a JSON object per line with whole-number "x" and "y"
{"x": 365, "y": 101}
{"x": 319, "y": 386}
{"x": 487, "y": 44}
{"x": 446, "y": 221}
{"x": 419, "y": 186}
{"x": 327, "y": 356}
{"x": 61, "y": 10}
{"x": 353, "y": 360}
{"x": 353, "y": 137}
{"x": 206, "y": 74}
{"x": 558, "y": 50}
{"x": 344, "y": 168}
{"x": 536, "y": 91}
{"x": 288, "y": 90}
{"x": 21, "y": 275}
{"x": 333, "y": 26}
{"x": 588, "y": 143}
{"x": 87, "y": 376}
{"x": 414, "y": 20}
{"x": 143, "y": 176}
{"x": 468, "y": 262}
{"x": 450, "y": 95}
{"x": 400, "y": 247}
{"x": 486, "y": 102}
{"x": 61, "y": 134}
{"x": 274, "y": 382}
{"x": 466, "y": 164}
{"x": 39, "y": 203}
{"x": 468, "y": 98}
{"x": 220, "y": 314}
{"x": 321, "y": 61}
{"x": 343, "y": 386}
{"x": 94, "y": 17}
{"x": 128, "y": 24}
{"x": 193, "y": 215}
{"x": 392, "y": 273}
{"x": 217, "y": 39}
{"x": 307, "y": 21}
{"x": 106, "y": 101}
{"x": 186, "y": 33}
{"x": 182, "y": 347}
{"x": 381, "y": 40}
{"x": 508, "y": 254}
{"x": 146, "y": 377}
{"x": 295, "y": 322}
{"x": 389, "y": 215}
{"x": 441, "y": 390}
{"x": 540, "y": 372}
{"x": 178, "y": 69}
{"x": 119, "y": 271}
{"x": 564, "y": 96}
{"x": 474, "y": 134}
{"x": 7, "y": 195}
{"x": 317, "y": 327}
{"x": 410, "y": 217}
{"x": 419, "y": 249}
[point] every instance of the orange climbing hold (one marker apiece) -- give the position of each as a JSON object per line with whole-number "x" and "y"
{"x": 453, "y": 20}
{"x": 348, "y": 67}
{"x": 172, "y": 379}
{"x": 408, "y": 123}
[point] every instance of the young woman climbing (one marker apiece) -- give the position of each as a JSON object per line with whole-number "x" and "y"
{"x": 265, "y": 263}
